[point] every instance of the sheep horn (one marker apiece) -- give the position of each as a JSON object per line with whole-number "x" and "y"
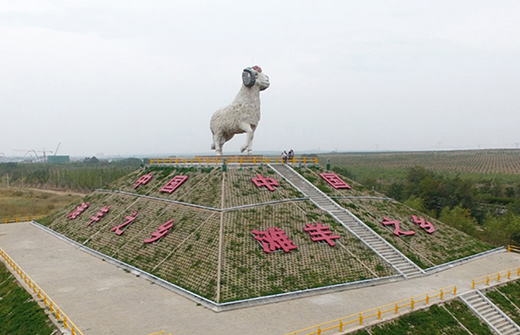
{"x": 248, "y": 77}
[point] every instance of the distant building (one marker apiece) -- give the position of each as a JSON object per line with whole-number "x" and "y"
{"x": 57, "y": 159}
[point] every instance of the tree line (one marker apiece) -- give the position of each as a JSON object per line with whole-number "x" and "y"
{"x": 82, "y": 176}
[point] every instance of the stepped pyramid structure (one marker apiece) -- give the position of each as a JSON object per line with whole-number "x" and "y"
{"x": 204, "y": 229}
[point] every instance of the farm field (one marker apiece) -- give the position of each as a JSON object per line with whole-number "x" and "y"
{"x": 466, "y": 162}
{"x": 23, "y": 202}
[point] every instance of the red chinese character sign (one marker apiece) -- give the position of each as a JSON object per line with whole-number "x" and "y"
{"x": 173, "y": 184}
{"x": 160, "y": 232}
{"x": 80, "y": 209}
{"x": 334, "y": 180}
{"x": 143, "y": 180}
{"x": 129, "y": 219}
{"x": 260, "y": 181}
{"x": 426, "y": 225}
{"x": 320, "y": 232}
{"x": 397, "y": 227}
{"x": 99, "y": 215}
{"x": 274, "y": 239}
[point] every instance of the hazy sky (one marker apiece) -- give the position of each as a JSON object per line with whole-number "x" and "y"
{"x": 144, "y": 77}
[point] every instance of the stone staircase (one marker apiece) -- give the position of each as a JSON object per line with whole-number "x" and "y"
{"x": 375, "y": 242}
{"x": 490, "y": 313}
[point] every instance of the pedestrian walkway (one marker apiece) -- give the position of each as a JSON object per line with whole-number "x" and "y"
{"x": 375, "y": 242}
{"x": 103, "y": 299}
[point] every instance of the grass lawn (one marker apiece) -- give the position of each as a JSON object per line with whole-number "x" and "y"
{"x": 436, "y": 320}
{"x": 22, "y": 202}
{"x": 507, "y": 298}
{"x": 19, "y": 313}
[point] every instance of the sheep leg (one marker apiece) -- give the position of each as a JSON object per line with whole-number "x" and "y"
{"x": 249, "y": 140}
{"x": 218, "y": 142}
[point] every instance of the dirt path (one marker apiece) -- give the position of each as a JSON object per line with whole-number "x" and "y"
{"x": 45, "y": 190}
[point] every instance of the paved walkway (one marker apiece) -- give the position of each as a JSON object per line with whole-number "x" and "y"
{"x": 101, "y": 298}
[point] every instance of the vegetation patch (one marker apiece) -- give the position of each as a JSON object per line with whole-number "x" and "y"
{"x": 436, "y": 320}
{"x": 248, "y": 271}
{"x": 83, "y": 176}
{"x": 464, "y": 161}
{"x": 19, "y": 203}
{"x": 507, "y": 298}
{"x": 426, "y": 250}
{"x": 19, "y": 313}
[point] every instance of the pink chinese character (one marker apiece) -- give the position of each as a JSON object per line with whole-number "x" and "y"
{"x": 273, "y": 239}
{"x": 320, "y": 232}
{"x": 397, "y": 226}
{"x": 173, "y": 184}
{"x": 426, "y": 225}
{"x": 160, "y": 232}
{"x": 143, "y": 180}
{"x": 260, "y": 181}
{"x": 80, "y": 209}
{"x": 334, "y": 180}
{"x": 99, "y": 215}
{"x": 129, "y": 220}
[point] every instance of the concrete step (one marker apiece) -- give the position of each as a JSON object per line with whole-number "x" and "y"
{"x": 488, "y": 313}
{"x": 503, "y": 325}
{"x": 512, "y": 331}
{"x": 480, "y": 304}
{"x": 368, "y": 238}
{"x": 396, "y": 260}
{"x": 495, "y": 318}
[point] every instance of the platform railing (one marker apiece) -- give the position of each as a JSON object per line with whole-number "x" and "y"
{"x": 377, "y": 313}
{"x": 20, "y": 219}
{"x": 513, "y": 248}
{"x": 487, "y": 279}
{"x": 42, "y": 296}
{"x": 233, "y": 160}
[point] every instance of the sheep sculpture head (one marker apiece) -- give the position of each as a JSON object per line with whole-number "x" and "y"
{"x": 243, "y": 114}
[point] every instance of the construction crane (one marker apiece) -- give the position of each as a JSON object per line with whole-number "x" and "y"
{"x": 56, "y": 151}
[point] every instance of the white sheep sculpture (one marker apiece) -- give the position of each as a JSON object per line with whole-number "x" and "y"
{"x": 243, "y": 115}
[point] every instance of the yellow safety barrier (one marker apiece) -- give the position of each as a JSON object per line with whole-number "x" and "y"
{"x": 160, "y": 333}
{"x": 377, "y": 313}
{"x": 513, "y": 248}
{"x": 230, "y": 160}
{"x": 47, "y": 301}
{"x": 495, "y": 276}
{"x": 21, "y": 219}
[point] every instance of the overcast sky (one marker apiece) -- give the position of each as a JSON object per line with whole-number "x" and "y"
{"x": 144, "y": 77}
